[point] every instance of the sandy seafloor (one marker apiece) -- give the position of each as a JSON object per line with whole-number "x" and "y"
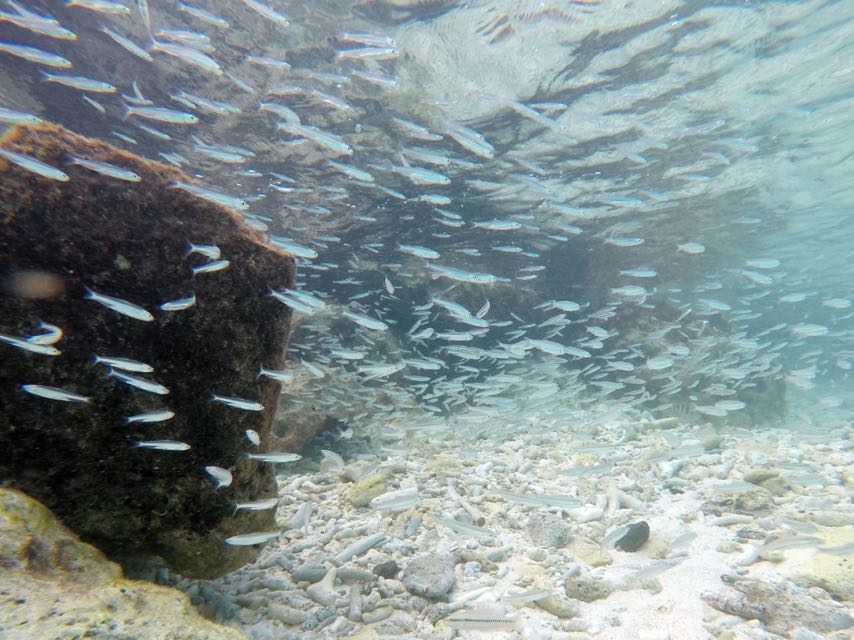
{"x": 772, "y": 507}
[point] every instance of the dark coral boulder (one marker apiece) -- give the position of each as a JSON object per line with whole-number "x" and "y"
{"x": 129, "y": 240}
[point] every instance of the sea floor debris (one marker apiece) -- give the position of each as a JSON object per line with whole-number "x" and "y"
{"x": 340, "y": 570}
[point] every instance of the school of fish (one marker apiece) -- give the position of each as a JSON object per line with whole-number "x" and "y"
{"x": 489, "y": 261}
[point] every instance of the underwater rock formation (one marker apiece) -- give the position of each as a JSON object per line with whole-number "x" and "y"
{"x": 56, "y": 586}
{"x": 129, "y": 240}
{"x": 780, "y": 606}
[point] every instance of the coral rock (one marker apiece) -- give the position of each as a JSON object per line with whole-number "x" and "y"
{"x": 129, "y": 241}
{"x": 781, "y": 606}
{"x": 430, "y": 576}
{"x": 56, "y": 586}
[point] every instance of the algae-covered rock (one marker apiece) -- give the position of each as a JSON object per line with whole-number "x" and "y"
{"x": 55, "y": 586}
{"x": 587, "y": 588}
{"x": 129, "y": 240}
{"x": 548, "y": 530}
{"x": 560, "y": 606}
{"x": 366, "y": 489}
{"x": 430, "y": 576}
{"x": 781, "y": 606}
{"x": 738, "y": 497}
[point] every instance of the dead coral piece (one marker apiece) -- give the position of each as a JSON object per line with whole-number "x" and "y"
{"x": 781, "y": 606}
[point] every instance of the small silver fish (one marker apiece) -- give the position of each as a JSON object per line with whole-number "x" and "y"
{"x": 282, "y": 375}
{"x": 100, "y": 6}
{"x": 374, "y": 371}
{"x": 34, "y": 347}
{"x": 332, "y": 460}
{"x": 222, "y": 476}
{"x": 106, "y": 169}
{"x": 315, "y": 372}
{"x": 630, "y": 291}
{"x": 347, "y": 354}
{"x": 422, "y": 176}
{"x": 120, "y": 306}
{"x": 275, "y": 457}
{"x": 140, "y": 383}
{"x": 210, "y": 251}
{"x": 321, "y": 138}
{"x": 79, "y": 82}
{"x": 161, "y": 114}
{"x": 296, "y": 305}
{"x": 179, "y": 305}
{"x": 203, "y": 15}
{"x": 470, "y": 139}
{"x": 253, "y": 437}
{"x": 420, "y": 252}
{"x": 151, "y": 416}
{"x": 257, "y": 505}
{"x": 389, "y": 287}
{"x": 31, "y": 54}
{"x": 416, "y": 131}
{"x": 692, "y": 248}
{"x": 464, "y": 528}
{"x": 210, "y": 267}
{"x": 307, "y": 298}
{"x": 94, "y": 104}
{"x": 354, "y": 172}
{"x": 267, "y": 12}
{"x": 246, "y": 539}
{"x": 238, "y": 403}
{"x": 34, "y": 165}
{"x": 300, "y": 251}
{"x": 52, "y": 335}
{"x": 53, "y": 393}
{"x": 162, "y": 445}
{"x": 461, "y": 276}
{"x": 18, "y": 117}
{"x": 36, "y": 23}
{"x": 145, "y": 13}
{"x": 126, "y": 43}
{"x": 497, "y": 225}
{"x": 367, "y": 53}
{"x": 124, "y": 363}
{"x": 211, "y": 195}
{"x": 189, "y": 55}
{"x": 399, "y": 500}
{"x": 365, "y": 321}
